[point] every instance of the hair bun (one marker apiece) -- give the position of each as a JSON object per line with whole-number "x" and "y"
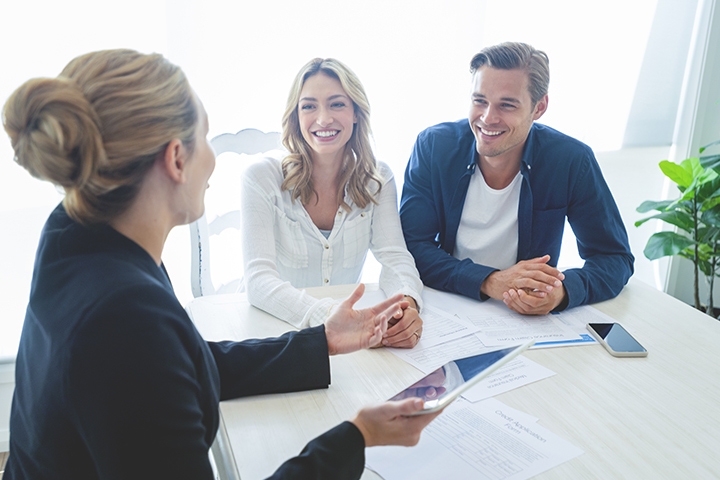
{"x": 54, "y": 131}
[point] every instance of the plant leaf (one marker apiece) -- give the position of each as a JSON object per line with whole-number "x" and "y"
{"x": 681, "y": 174}
{"x": 663, "y": 244}
{"x": 680, "y": 219}
{"x": 709, "y": 191}
{"x": 711, "y": 217}
{"x": 710, "y": 161}
{"x": 648, "y": 205}
{"x": 716, "y": 142}
{"x": 705, "y": 267}
{"x": 703, "y": 184}
{"x": 689, "y": 254}
{"x": 707, "y": 236}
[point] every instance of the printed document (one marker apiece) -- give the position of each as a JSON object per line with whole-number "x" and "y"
{"x": 475, "y": 441}
{"x": 439, "y": 327}
{"x": 499, "y": 325}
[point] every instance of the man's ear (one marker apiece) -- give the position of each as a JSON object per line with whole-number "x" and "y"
{"x": 174, "y": 160}
{"x": 540, "y": 107}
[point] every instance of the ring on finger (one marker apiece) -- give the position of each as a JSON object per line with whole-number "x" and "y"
{"x": 417, "y": 335}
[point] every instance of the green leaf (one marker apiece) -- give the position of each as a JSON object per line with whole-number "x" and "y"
{"x": 706, "y": 175}
{"x": 708, "y": 236}
{"x": 710, "y": 161}
{"x": 711, "y": 217}
{"x": 682, "y": 220}
{"x": 710, "y": 203}
{"x": 703, "y": 183}
{"x": 648, "y": 205}
{"x": 681, "y": 174}
{"x": 688, "y": 195}
{"x": 716, "y": 142}
{"x": 663, "y": 244}
{"x": 705, "y": 251}
{"x": 708, "y": 192}
{"x": 705, "y": 267}
{"x": 689, "y": 254}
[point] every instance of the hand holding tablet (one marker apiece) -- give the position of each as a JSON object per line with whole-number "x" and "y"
{"x": 440, "y": 387}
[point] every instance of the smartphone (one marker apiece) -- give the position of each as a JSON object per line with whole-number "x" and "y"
{"x": 616, "y": 340}
{"x": 442, "y": 386}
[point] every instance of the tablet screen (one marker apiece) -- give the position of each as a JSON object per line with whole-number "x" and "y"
{"x": 447, "y": 382}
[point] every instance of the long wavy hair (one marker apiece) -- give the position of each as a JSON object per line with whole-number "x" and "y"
{"x": 359, "y": 168}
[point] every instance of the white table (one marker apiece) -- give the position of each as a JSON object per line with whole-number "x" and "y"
{"x": 654, "y": 417}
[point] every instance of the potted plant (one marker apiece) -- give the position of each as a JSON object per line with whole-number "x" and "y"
{"x": 696, "y": 213}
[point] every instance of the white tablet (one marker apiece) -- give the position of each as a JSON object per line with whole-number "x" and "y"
{"x": 442, "y": 386}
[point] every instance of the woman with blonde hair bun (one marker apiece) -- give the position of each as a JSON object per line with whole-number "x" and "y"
{"x": 112, "y": 378}
{"x": 310, "y": 219}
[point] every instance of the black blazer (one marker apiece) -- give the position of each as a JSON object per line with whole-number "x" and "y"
{"x": 114, "y": 381}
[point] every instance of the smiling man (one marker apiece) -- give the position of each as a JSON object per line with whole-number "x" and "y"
{"x": 485, "y": 199}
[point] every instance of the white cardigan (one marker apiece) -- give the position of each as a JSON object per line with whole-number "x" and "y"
{"x": 284, "y": 251}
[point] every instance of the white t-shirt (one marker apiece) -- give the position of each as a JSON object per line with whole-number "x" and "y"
{"x": 488, "y": 230}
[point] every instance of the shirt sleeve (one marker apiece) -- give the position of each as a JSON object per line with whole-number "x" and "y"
{"x": 265, "y": 289}
{"x": 601, "y": 239}
{"x": 293, "y": 362}
{"x": 398, "y": 274}
{"x": 337, "y": 454}
{"x": 422, "y": 213}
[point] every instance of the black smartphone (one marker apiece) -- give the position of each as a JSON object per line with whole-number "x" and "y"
{"x": 616, "y": 340}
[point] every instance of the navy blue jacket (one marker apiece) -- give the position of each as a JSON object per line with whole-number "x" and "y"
{"x": 113, "y": 381}
{"x": 560, "y": 178}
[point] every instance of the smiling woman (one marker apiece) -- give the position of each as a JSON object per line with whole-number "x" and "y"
{"x": 310, "y": 219}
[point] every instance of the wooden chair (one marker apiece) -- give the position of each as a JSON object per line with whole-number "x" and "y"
{"x": 220, "y": 225}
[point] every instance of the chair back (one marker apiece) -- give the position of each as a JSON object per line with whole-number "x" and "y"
{"x": 219, "y": 227}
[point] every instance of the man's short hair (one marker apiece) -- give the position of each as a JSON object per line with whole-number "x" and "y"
{"x": 512, "y": 55}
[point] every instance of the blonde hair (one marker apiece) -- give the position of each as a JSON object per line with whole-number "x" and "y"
{"x": 359, "y": 164}
{"x": 97, "y": 128}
